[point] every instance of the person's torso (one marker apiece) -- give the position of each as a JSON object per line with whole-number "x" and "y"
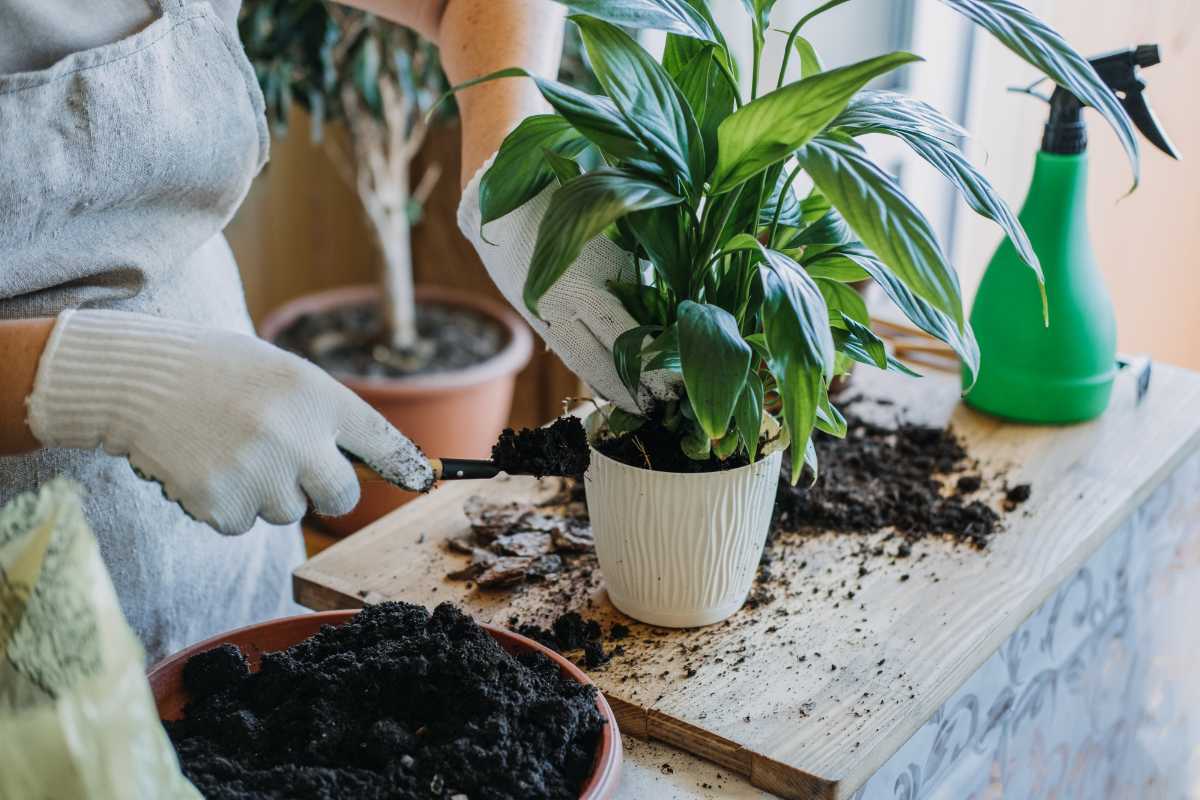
{"x": 129, "y": 134}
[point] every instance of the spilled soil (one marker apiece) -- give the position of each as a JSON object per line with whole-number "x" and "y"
{"x": 560, "y": 448}
{"x": 349, "y": 340}
{"x": 398, "y": 703}
{"x": 918, "y": 480}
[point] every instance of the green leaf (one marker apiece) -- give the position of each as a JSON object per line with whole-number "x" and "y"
{"x": 643, "y": 92}
{"x": 366, "y": 72}
{"x": 673, "y": 16}
{"x": 580, "y": 211}
{"x": 928, "y": 134}
{"x": 884, "y": 111}
{"x": 885, "y": 220}
{"x": 621, "y": 421}
{"x": 659, "y": 231}
{"x": 829, "y": 419}
{"x": 564, "y": 168}
{"x": 519, "y": 172}
{"x": 644, "y": 303}
{"x": 748, "y": 413}
{"x": 790, "y": 213}
{"x": 627, "y": 355}
{"x": 834, "y": 266}
{"x": 1041, "y": 46}
{"x": 695, "y": 443}
{"x": 709, "y": 96}
{"x": 593, "y": 116}
{"x": 921, "y": 313}
{"x": 715, "y": 362}
{"x": 842, "y": 300}
{"x": 865, "y": 341}
{"x": 767, "y": 130}
{"x": 810, "y": 60}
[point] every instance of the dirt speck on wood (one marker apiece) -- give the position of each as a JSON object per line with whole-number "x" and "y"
{"x": 398, "y": 703}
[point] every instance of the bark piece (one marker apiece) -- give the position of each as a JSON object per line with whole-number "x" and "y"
{"x": 524, "y": 543}
{"x": 489, "y": 520}
{"x": 506, "y": 571}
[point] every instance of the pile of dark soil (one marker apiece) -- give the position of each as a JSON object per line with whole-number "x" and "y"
{"x": 653, "y": 446}
{"x": 560, "y": 448}
{"x": 916, "y": 479}
{"x": 398, "y": 703}
{"x": 347, "y": 340}
{"x": 510, "y": 543}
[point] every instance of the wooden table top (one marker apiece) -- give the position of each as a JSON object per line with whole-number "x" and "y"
{"x": 808, "y": 696}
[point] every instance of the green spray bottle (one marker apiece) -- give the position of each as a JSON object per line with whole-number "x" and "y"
{"x": 1062, "y": 373}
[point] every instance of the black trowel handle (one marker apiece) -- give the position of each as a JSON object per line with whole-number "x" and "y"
{"x": 444, "y": 469}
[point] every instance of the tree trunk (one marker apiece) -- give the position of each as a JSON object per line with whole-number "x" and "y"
{"x": 399, "y": 309}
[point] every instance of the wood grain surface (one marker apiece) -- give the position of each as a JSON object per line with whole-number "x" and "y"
{"x": 807, "y": 695}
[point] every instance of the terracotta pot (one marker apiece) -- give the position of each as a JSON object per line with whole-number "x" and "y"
{"x": 451, "y": 414}
{"x": 166, "y": 678}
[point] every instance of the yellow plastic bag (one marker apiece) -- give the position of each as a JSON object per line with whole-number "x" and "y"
{"x": 77, "y": 719}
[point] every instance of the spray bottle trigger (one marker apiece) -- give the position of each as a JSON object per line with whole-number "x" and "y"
{"x": 1144, "y": 118}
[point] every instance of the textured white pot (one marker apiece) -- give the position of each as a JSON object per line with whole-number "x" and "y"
{"x": 679, "y": 550}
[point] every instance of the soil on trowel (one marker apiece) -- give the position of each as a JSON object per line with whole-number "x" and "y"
{"x": 560, "y": 448}
{"x": 348, "y": 340}
{"x": 397, "y": 703}
{"x": 654, "y": 447}
{"x": 916, "y": 479}
{"x": 512, "y": 543}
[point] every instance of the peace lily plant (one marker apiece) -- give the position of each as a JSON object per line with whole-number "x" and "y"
{"x": 737, "y": 283}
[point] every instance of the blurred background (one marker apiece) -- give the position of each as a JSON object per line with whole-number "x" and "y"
{"x": 303, "y": 228}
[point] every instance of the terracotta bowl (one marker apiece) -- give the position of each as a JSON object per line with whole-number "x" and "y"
{"x": 449, "y": 414}
{"x": 166, "y": 678}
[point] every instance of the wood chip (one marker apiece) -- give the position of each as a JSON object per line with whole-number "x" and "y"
{"x": 573, "y": 538}
{"x": 461, "y": 544}
{"x": 480, "y": 560}
{"x": 505, "y": 571}
{"x": 525, "y": 543}
{"x": 489, "y": 520}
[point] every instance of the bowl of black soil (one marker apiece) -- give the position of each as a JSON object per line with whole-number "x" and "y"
{"x": 393, "y": 701}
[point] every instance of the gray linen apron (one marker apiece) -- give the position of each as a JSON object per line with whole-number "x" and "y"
{"x": 119, "y": 167}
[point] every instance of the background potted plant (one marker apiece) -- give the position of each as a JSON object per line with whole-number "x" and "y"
{"x": 738, "y": 283}
{"x": 439, "y": 363}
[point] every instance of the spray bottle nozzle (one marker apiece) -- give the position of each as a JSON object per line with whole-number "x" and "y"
{"x": 1066, "y": 132}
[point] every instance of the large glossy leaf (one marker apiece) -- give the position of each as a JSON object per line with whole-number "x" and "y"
{"x": 929, "y": 134}
{"x": 708, "y": 95}
{"x": 767, "y": 130}
{"x": 1041, "y": 46}
{"x": 748, "y": 413}
{"x": 793, "y": 353}
{"x": 594, "y": 116}
{"x": 789, "y": 212}
{"x": 715, "y": 362}
{"x": 673, "y": 16}
{"x": 579, "y": 211}
{"x": 644, "y": 303}
{"x": 660, "y": 231}
{"x": 885, "y": 111}
{"x": 921, "y": 313}
{"x": 644, "y": 93}
{"x": 519, "y": 172}
{"x": 885, "y": 220}
{"x": 842, "y": 301}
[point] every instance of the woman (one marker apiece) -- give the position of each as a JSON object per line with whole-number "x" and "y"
{"x": 129, "y": 133}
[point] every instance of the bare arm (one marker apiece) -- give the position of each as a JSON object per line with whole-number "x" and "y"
{"x": 21, "y": 343}
{"x": 477, "y": 37}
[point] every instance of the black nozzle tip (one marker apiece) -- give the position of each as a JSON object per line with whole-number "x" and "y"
{"x": 1146, "y": 55}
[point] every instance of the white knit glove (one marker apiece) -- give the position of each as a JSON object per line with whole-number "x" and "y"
{"x": 232, "y": 427}
{"x": 582, "y": 318}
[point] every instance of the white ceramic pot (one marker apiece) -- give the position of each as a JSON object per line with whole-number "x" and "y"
{"x": 679, "y": 550}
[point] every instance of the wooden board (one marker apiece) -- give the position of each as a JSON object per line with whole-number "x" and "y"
{"x": 809, "y": 695}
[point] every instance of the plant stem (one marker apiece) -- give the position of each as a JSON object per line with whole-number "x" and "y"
{"x": 787, "y": 187}
{"x": 758, "y": 45}
{"x": 791, "y": 40}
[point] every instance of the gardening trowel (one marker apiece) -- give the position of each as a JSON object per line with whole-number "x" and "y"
{"x": 444, "y": 469}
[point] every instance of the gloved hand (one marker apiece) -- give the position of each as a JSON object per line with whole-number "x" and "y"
{"x": 582, "y": 318}
{"x": 232, "y": 427}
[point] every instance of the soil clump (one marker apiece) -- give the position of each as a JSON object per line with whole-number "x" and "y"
{"x": 348, "y": 340}
{"x": 397, "y": 703}
{"x": 560, "y": 448}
